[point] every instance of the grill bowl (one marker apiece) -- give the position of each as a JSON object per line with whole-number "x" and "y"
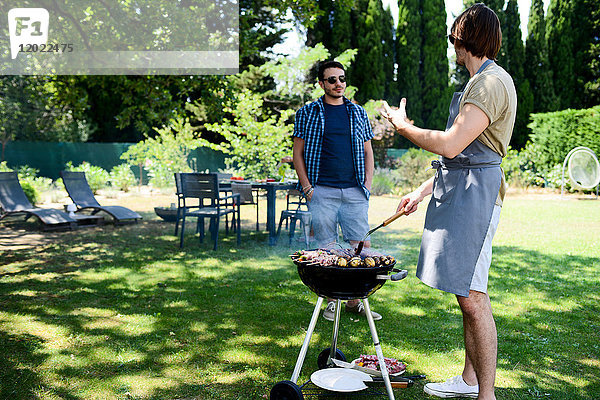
{"x": 344, "y": 283}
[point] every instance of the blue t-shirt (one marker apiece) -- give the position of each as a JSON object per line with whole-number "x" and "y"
{"x": 337, "y": 167}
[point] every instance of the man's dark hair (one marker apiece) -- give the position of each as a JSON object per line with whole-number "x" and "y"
{"x": 478, "y": 30}
{"x": 328, "y": 64}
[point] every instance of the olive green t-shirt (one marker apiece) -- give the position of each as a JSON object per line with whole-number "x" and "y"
{"x": 493, "y": 91}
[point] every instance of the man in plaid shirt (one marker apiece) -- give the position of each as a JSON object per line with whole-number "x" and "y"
{"x": 334, "y": 161}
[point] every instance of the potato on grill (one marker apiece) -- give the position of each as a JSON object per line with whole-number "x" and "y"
{"x": 355, "y": 262}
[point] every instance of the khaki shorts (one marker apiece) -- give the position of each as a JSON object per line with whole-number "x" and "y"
{"x": 482, "y": 268}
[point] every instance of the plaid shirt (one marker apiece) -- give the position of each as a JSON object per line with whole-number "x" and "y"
{"x": 310, "y": 126}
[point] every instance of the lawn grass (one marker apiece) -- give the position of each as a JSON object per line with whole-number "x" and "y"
{"x": 122, "y": 313}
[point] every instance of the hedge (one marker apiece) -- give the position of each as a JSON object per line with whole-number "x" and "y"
{"x": 554, "y": 134}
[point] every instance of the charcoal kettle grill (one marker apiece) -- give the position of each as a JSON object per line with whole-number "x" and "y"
{"x": 339, "y": 283}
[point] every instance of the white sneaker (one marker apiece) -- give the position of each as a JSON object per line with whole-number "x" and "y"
{"x": 453, "y": 387}
{"x": 329, "y": 312}
{"x": 360, "y": 310}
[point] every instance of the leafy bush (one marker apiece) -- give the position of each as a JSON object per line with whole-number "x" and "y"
{"x": 166, "y": 153}
{"x": 522, "y": 170}
{"x": 25, "y": 171}
{"x": 383, "y": 182}
{"x": 555, "y": 134}
{"x": 97, "y": 177}
{"x": 411, "y": 170}
{"x": 32, "y": 184}
{"x": 121, "y": 177}
{"x": 31, "y": 193}
{"x": 255, "y": 140}
{"x": 414, "y": 168}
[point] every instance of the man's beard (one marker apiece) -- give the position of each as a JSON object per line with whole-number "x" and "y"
{"x": 334, "y": 94}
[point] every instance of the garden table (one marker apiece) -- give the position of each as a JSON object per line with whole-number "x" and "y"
{"x": 271, "y": 189}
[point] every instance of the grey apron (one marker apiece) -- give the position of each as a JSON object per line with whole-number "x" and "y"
{"x": 465, "y": 189}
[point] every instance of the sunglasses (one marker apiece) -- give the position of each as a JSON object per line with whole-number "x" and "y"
{"x": 333, "y": 79}
{"x": 452, "y": 38}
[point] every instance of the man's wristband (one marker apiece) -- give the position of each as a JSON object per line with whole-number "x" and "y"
{"x": 309, "y": 191}
{"x": 305, "y": 188}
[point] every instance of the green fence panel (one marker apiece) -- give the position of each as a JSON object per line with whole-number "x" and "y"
{"x": 396, "y": 153}
{"x": 51, "y": 157}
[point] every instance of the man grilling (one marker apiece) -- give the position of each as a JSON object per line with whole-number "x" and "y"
{"x": 467, "y": 192}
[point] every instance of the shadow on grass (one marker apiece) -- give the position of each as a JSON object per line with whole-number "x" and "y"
{"x": 142, "y": 319}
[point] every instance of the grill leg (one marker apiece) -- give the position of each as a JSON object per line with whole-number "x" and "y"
{"x": 336, "y": 328}
{"x": 382, "y": 367}
{"x": 309, "y": 332}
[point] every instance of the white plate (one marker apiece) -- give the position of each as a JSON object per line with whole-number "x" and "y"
{"x": 370, "y": 371}
{"x": 340, "y": 379}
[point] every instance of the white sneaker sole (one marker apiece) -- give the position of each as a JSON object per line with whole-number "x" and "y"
{"x": 449, "y": 395}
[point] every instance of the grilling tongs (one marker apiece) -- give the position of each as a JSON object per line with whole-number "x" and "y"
{"x": 384, "y": 223}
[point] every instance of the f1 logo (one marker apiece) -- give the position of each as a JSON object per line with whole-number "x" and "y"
{"x": 27, "y": 26}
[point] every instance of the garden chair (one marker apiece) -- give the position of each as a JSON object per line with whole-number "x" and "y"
{"x": 224, "y": 176}
{"x": 293, "y": 199}
{"x": 79, "y": 191}
{"x": 13, "y": 202}
{"x": 200, "y": 199}
{"x": 179, "y": 194}
{"x": 299, "y": 214}
{"x": 247, "y": 196}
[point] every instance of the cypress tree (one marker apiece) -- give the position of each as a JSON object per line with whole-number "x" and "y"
{"x": 514, "y": 63}
{"x": 435, "y": 93}
{"x": 341, "y": 29}
{"x": 320, "y": 32}
{"x": 408, "y": 58}
{"x": 591, "y": 61}
{"x": 559, "y": 36}
{"x": 388, "y": 47}
{"x": 537, "y": 68}
{"x": 586, "y": 46}
{"x": 367, "y": 73}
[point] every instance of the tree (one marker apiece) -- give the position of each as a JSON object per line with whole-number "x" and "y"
{"x": 30, "y": 109}
{"x": 588, "y": 50}
{"x": 408, "y": 58}
{"x": 561, "y": 50}
{"x": 109, "y": 108}
{"x": 388, "y": 46}
{"x": 434, "y": 64}
{"x": 341, "y": 29}
{"x": 321, "y": 30}
{"x": 514, "y": 63}
{"x": 592, "y": 73}
{"x": 365, "y": 26}
{"x": 166, "y": 153}
{"x": 537, "y": 68}
{"x": 255, "y": 142}
{"x": 421, "y": 56}
{"x": 368, "y": 74}
{"x": 141, "y": 25}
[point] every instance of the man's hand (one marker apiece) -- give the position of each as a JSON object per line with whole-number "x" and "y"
{"x": 410, "y": 202}
{"x": 398, "y": 116}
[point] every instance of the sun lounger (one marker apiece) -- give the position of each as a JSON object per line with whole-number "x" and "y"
{"x": 14, "y": 202}
{"x": 81, "y": 194}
